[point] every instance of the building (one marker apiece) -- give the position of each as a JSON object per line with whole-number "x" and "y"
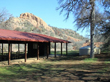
{"x": 38, "y": 44}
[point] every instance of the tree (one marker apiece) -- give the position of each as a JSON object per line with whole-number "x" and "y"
{"x": 104, "y": 25}
{"x": 84, "y": 12}
{"x": 3, "y": 15}
{"x": 105, "y": 32}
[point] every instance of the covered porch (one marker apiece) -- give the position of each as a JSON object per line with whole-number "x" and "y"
{"x": 35, "y": 45}
{"x": 32, "y": 51}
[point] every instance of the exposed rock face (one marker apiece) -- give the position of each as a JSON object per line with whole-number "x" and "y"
{"x": 36, "y": 21}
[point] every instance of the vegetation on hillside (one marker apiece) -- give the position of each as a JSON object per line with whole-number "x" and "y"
{"x": 23, "y": 25}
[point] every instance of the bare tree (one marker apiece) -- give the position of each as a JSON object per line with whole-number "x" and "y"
{"x": 104, "y": 25}
{"x": 84, "y": 12}
{"x": 3, "y": 15}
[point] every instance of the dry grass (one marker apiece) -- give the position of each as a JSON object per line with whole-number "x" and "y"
{"x": 60, "y": 69}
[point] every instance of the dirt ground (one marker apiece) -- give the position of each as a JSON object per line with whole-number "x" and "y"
{"x": 61, "y": 69}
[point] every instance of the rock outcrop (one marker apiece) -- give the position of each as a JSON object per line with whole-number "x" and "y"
{"x": 36, "y": 21}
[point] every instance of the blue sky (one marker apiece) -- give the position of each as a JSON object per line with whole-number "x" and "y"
{"x": 45, "y": 9}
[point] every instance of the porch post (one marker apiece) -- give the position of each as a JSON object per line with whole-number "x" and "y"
{"x": 47, "y": 50}
{"x": 55, "y": 49}
{"x": 8, "y": 53}
{"x": 25, "y": 53}
{"x": 18, "y": 48}
{"x": 2, "y": 51}
{"x": 61, "y": 48}
{"x": 66, "y": 48}
{"x": 11, "y": 50}
{"x": 37, "y": 51}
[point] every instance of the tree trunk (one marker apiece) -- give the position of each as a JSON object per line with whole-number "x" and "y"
{"x": 92, "y": 22}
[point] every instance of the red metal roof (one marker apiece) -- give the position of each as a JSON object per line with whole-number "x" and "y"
{"x": 11, "y": 35}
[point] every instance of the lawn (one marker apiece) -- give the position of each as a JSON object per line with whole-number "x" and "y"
{"x": 71, "y": 68}
{"x": 64, "y": 52}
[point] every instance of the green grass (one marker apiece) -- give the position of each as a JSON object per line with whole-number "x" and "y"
{"x": 48, "y": 70}
{"x": 64, "y": 52}
{"x": 105, "y": 51}
{"x": 107, "y": 62}
{"x": 52, "y": 52}
{"x": 43, "y": 70}
{"x": 5, "y": 53}
{"x": 90, "y": 59}
{"x": 105, "y": 69}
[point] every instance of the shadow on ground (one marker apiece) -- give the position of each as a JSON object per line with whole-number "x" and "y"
{"x": 55, "y": 72}
{"x": 100, "y": 57}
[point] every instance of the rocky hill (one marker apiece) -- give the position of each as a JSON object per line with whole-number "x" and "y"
{"x": 28, "y": 22}
{"x": 35, "y": 21}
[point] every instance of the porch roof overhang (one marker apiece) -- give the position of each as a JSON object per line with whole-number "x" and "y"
{"x": 17, "y": 36}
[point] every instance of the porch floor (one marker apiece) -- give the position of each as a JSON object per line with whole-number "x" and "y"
{"x": 29, "y": 60}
